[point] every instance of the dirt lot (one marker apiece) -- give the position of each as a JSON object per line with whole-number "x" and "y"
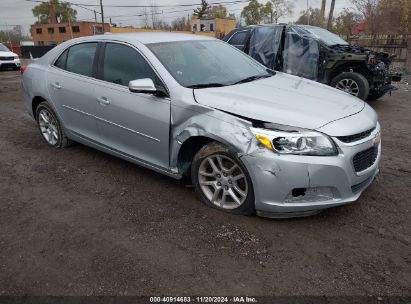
{"x": 80, "y": 222}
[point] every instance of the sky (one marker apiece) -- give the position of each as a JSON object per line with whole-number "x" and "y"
{"x": 13, "y": 12}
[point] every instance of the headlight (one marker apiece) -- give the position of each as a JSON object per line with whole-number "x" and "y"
{"x": 298, "y": 141}
{"x": 16, "y": 57}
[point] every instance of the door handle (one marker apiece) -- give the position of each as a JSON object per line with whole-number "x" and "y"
{"x": 103, "y": 101}
{"x": 56, "y": 85}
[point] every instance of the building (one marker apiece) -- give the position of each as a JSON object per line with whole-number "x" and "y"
{"x": 359, "y": 29}
{"x": 220, "y": 26}
{"x": 56, "y": 32}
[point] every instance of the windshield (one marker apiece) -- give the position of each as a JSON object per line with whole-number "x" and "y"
{"x": 3, "y": 48}
{"x": 327, "y": 37}
{"x": 198, "y": 64}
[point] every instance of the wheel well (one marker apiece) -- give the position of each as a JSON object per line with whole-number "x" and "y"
{"x": 188, "y": 150}
{"x": 347, "y": 67}
{"x": 35, "y": 103}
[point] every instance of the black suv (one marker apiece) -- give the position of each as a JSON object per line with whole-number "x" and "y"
{"x": 317, "y": 54}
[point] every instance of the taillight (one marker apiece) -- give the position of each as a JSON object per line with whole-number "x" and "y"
{"x": 22, "y": 69}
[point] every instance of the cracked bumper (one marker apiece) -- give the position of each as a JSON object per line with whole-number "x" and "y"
{"x": 329, "y": 181}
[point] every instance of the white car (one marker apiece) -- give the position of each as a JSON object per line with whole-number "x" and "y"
{"x": 8, "y": 60}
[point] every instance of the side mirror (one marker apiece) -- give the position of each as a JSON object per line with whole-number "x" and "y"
{"x": 145, "y": 85}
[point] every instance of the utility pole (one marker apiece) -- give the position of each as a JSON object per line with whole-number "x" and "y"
{"x": 95, "y": 16}
{"x": 308, "y": 15}
{"x": 322, "y": 12}
{"x": 102, "y": 15}
{"x": 330, "y": 16}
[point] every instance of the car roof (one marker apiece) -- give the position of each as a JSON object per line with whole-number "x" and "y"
{"x": 260, "y": 25}
{"x": 147, "y": 38}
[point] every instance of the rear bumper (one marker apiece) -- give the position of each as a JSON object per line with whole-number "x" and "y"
{"x": 292, "y": 185}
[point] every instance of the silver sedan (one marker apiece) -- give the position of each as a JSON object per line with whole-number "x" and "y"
{"x": 252, "y": 139}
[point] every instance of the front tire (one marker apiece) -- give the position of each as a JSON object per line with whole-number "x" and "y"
{"x": 352, "y": 83}
{"x": 221, "y": 180}
{"x": 50, "y": 127}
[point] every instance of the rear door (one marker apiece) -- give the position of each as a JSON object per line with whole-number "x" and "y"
{"x": 71, "y": 87}
{"x": 135, "y": 124}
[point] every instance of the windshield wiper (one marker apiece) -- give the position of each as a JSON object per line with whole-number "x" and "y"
{"x": 252, "y": 78}
{"x": 206, "y": 85}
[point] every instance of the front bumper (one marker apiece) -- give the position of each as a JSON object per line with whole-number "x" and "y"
{"x": 293, "y": 185}
{"x": 10, "y": 64}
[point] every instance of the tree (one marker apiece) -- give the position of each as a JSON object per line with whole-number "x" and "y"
{"x": 180, "y": 24}
{"x": 252, "y": 13}
{"x": 217, "y": 11}
{"x": 394, "y": 16}
{"x": 345, "y": 22}
{"x": 311, "y": 17}
{"x": 63, "y": 11}
{"x": 14, "y": 35}
{"x": 282, "y": 8}
{"x": 369, "y": 10}
{"x": 273, "y": 10}
{"x": 267, "y": 13}
{"x": 202, "y": 10}
{"x": 146, "y": 18}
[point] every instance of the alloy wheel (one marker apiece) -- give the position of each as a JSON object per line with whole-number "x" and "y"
{"x": 48, "y": 126}
{"x": 223, "y": 181}
{"x": 349, "y": 86}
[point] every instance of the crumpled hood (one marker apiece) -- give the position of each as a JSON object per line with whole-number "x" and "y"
{"x": 7, "y": 54}
{"x": 282, "y": 99}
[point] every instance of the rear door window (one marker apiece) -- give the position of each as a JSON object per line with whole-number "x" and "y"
{"x": 78, "y": 59}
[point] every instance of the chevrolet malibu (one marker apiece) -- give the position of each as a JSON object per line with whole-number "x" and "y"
{"x": 252, "y": 139}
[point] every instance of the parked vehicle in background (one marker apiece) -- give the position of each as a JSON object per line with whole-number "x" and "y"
{"x": 8, "y": 59}
{"x": 251, "y": 139}
{"x": 317, "y": 54}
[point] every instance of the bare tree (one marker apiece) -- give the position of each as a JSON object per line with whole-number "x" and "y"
{"x": 146, "y": 18}
{"x": 153, "y": 14}
{"x": 370, "y": 12}
{"x": 180, "y": 24}
{"x": 273, "y": 10}
{"x": 345, "y": 21}
{"x": 312, "y": 14}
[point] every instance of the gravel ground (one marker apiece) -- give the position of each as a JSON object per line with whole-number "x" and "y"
{"x": 79, "y": 222}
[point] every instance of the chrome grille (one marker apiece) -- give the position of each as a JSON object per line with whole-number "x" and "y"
{"x": 6, "y": 58}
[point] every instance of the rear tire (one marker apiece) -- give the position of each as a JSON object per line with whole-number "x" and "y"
{"x": 221, "y": 180}
{"x": 352, "y": 83}
{"x": 50, "y": 127}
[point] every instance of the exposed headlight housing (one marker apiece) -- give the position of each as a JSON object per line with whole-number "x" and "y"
{"x": 296, "y": 141}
